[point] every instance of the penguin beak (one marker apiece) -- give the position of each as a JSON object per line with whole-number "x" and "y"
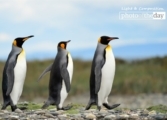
{"x": 26, "y": 38}
{"x": 68, "y": 41}
{"x": 112, "y": 38}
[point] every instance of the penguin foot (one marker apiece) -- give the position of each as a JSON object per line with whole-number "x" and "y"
{"x": 46, "y": 105}
{"x": 14, "y": 107}
{"x": 3, "y": 107}
{"x": 99, "y": 108}
{"x": 110, "y": 107}
{"x": 23, "y": 108}
{"x": 89, "y": 105}
{"x": 65, "y": 108}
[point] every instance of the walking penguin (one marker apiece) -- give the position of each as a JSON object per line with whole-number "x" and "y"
{"x": 102, "y": 74}
{"x": 60, "y": 77}
{"x": 14, "y": 74}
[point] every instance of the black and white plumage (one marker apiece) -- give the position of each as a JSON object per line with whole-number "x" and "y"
{"x": 60, "y": 77}
{"x": 102, "y": 74}
{"x": 14, "y": 74}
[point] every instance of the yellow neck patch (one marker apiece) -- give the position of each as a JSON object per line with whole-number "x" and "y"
{"x": 108, "y": 47}
{"x": 15, "y": 43}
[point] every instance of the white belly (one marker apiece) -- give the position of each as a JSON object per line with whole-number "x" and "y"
{"x": 108, "y": 72}
{"x": 63, "y": 92}
{"x": 19, "y": 77}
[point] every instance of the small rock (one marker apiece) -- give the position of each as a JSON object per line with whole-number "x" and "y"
{"x": 123, "y": 116}
{"x": 103, "y": 111}
{"x": 32, "y": 116}
{"x": 53, "y": 110}
{"x": 153, "y": 112}
{"x": 62, "y": 117}
{"x": 49, "y": 115}
{"x": 1, "y": 114}
{"x": 59, "y": 112}
{"x": 90, "y": 116}
{"x": 109, "y": 117}
{"x": 54, "y": 113}
{"x": 41, "y": 117}
{"x": 90, "y": 110}
{"x": 159, "y": 117}
{"x": 4, "y": 111}
{"x": 134, "y": 116}
{"x": 111, "y": 111}
{"x": 13, "y": 117}
{"x": 18, "y": 111}
{"x": 40, "y": 112}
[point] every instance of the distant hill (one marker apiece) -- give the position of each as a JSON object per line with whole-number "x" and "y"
{"x": 139, "y": 76}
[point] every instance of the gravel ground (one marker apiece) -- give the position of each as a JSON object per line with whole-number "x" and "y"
{"x": 126, "y": 101}
{"x": 133, "y": 101}
{"x": 135, "y": 110}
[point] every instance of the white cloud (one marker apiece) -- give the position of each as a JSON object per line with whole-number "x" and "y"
{"x": 4, "y": 37}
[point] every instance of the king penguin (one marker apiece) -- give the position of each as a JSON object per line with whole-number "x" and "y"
{"x": 102, "y": 74}
{"x": 60, "y": 77}
{"x": 14, "y": 74}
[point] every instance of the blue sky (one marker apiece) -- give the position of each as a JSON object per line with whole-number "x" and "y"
{"x": 82, "y": 22}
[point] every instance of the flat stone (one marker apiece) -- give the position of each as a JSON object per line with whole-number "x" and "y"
{"x": 41, "y": 117}
{"x": 153, "y": 112}
{"x": 1, "y": 114}
{"x": 133, "y": 116}
{"x": 63, "y": 117}
{"x": 159, "y": 117}
{"x": 18, "y": 111}
{"x": 13, "y": 117}
{"x": 32, "y": 116}
{"x": 60, "y": 112}
{"x": 49, "y": 115}
{"x": 40, "y": 112}
{"x": 123, "y": 116}
{"x": 90, "y": 116}
{"x": 54, "y": 113}
{"x": 109, "y": 117}
{"x": 4, "y": 111}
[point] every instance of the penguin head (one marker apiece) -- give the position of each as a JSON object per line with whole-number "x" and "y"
{"x": 19, "y": 41}
{"x": 63, "y": 44}
{"x": 105, "y": 39}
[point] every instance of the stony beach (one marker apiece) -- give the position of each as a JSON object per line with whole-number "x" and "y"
{"x": 141, "y": 107}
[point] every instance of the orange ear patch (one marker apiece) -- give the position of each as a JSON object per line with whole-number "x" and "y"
{"x": 15, "y": 43}
{"x": 62, "y": 46}
{"x": 99, "y": 40}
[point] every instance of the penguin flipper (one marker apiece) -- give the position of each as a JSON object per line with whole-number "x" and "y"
{"x": 97, "y": 77}
{"x": 45, "y": 71}
{"x": 66, "y": 77}
{"x": 10, "y": 72}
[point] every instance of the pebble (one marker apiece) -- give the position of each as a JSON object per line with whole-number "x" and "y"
{"x": 109, "y": 117}
{"x": 13, "y": 117}
{"x": 134, "y": 116}
{"x": 18, "y": 111}
{"x": 90, "y": 116}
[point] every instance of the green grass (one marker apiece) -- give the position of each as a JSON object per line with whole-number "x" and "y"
{"x": 144, "y": 76}
{"x": 158, "y": 108}
{"x": 75, "y": 108}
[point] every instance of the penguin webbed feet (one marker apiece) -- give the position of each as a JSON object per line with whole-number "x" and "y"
{"x": 45, "y": 105}
{"x": 65, "y": 108}
{"x": 110, "y": 107}
{"x": 13, "y": 108}
{"x": 23, "y": 108}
